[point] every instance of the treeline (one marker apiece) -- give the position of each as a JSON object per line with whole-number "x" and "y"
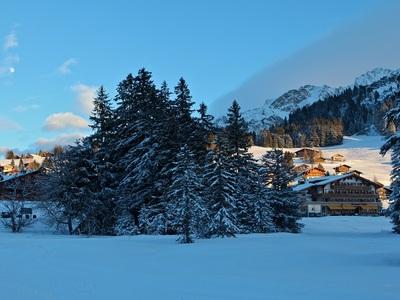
{"x": 154, "y": 165}
{"x": 324, "y": 123}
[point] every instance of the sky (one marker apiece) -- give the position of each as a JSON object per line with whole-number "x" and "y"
{"x": 55, "y": 54}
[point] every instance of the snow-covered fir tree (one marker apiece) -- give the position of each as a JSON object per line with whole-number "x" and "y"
{"x": 102, "y": 138}
{"x": 236, "y": 131}
{"x": 73, "y": 202}
{"x": 234, "y": 142}
{"x": 203, "y": 136}
{"x": 185, "y": 209}
{"x": 393, "y": 144}
{"x": 277, "y": 175}
{"x": 222, "y": 193}
{"x": 137, "y": 146}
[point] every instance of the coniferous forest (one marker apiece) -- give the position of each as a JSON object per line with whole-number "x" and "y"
{"x": 325, "y": 122}
{"x": 156, "y": 164}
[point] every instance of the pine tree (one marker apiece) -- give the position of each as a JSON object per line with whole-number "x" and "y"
{"x": 101, "y": 118}
{"x": 393, "y": 143}
{"x": 73, "y": 202}
{"x": 221, "y": 183}
{"x": 253, "y": 212}
{"x": 185, "y": 207}
{"x": 234, "y": 143}
{"x": 183, "y": 106}
{"x": 236, "y": 131}
{"x": 102, "y": 122}
{"x": 137, "y": 146}
{"x": 278, "y": 175}
{"x": 203, "y": 136}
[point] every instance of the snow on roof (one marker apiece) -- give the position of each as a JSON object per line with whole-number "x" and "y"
{"x": 318, "y": 181}
{"x": 324, "y": 180}
{"x": 6, "y": 177}
{"x": 37, "y": 158}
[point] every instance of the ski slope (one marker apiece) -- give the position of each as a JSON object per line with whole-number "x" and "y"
{"x": 335, "y": 258}
{"x": 361, "y": 153}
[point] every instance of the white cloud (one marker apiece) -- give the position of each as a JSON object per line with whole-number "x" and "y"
{"x": 63, "y": 121}
{"x": 8, "y": 125}
{"x": 62, "y": 140}
{"x": 84, "y": 96}
{"x": 10, "y": 41}
{"x": 24, "y": 108}
{"x": 65, "y": 67}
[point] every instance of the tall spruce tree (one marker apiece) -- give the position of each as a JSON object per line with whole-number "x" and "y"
{"x": 186, "y": 207}
{"x": 221, "y": 182}
{"x": 73, "y": 203}
{"x": 393, "y": 143}
{"x": 204, "y": 134}
{"x": 234, "y": 142}
{"x": 183, "y": 106}
{"x": 236, "y": 131}
{"x": 285, "y": 204}
{"x": 138, "y": 146}
{"x": 102, "y": 122}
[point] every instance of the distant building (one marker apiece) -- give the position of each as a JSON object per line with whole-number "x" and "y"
{"x": 338, "y": 157}
{"x": 342, "y": 169}
{"x": 346, "y": 194}
{"x": 307, "y": 153}
{"x": 21, "y": 186}
{"x": 314, "y": 172}
{"x": 300, "y": 169}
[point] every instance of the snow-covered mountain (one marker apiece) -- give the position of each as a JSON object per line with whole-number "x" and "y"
{"x": 376, "y": 86}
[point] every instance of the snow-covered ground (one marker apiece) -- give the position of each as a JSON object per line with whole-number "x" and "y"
{"x": 335, "y": 258}
{"x": 361, "y": 153}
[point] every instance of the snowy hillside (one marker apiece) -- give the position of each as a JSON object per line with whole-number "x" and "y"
{"x": 381, "y": 84}
{"x": 335, "y": 258}
{"x": 276, "y": 110}
{"x": 361, "y": 153}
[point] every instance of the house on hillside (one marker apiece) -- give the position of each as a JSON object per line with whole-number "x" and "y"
{"x": 345, "y": 194}
{"x": 342, "y": 169}
{"x": 20, "y": 186}
{"x": 307, "y": 153}
{"x": 300, "y": 169}
{"x": 314, "y": 172}
{"x": 338, "y": 157}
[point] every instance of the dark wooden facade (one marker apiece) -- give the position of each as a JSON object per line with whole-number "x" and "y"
{"x": 23, "y": 186}
{"x": 347, "y": 194}
{"x": 314, "y": 172}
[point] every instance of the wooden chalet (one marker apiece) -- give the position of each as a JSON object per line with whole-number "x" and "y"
{"x": 338, "y": 157}
{"x": 314, "y": 172}
{"x": 300, "y": 169}
{"x": 307, "y": 153}
{"x": 21, "y": 186}
{"x": 342, "y": 169}
{"x": 346, "y": 194}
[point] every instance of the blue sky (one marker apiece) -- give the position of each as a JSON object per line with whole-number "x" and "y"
{"x": 54, "y": 54}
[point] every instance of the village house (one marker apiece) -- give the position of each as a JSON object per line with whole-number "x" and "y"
{"x": 301, "y": 169}
{"x": 314, "y": 172}
{"x": 21, "y": 186}
{"x": 342, "y": 169}
{"x": 30, "y": 162}
{"x": 345, "y": 194}
{"x": 338, "y": 157}
{"x": 307, "y": 153}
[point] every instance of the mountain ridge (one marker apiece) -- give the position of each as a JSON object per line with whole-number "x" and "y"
{"x": 380, "y": 84}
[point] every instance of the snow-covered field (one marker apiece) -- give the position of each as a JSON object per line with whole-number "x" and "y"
{"x": 335, "y": 258}
{"x": 361, "y": 153}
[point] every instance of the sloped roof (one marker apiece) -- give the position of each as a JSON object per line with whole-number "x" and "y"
{"x": 324, "y": 180}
